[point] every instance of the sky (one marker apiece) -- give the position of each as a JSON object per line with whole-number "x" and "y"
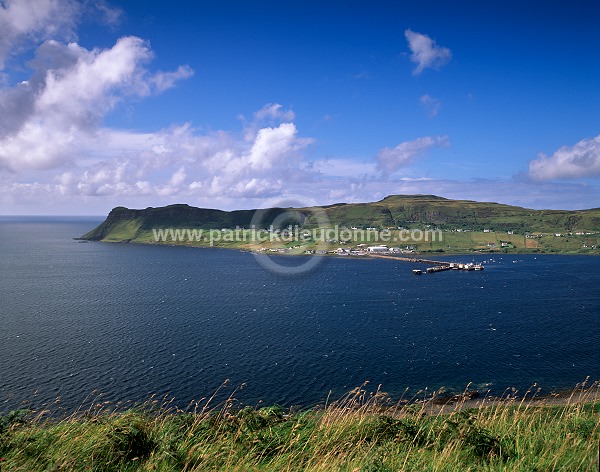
{"x": 242, "y": 104}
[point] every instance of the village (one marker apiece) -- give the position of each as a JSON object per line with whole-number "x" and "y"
{"x": 369, "y": 241}
{"x": 418, "y": 242}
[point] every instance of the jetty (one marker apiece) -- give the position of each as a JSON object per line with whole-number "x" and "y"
{"x": 436, "y": 266}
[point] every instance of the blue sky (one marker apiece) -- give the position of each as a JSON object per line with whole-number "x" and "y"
{"x": 250, "y": 104}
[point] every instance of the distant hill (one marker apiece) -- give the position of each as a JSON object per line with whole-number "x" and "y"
{"x": 123, "y": 224}
{"x": 466, "y": 226}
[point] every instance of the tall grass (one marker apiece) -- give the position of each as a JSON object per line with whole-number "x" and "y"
{"x": 360, "y": 432}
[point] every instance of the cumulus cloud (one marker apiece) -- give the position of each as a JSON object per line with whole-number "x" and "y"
{"x": 431, "y": 104}
{"x": 179, "y": 161}
{"x": 391, "y": 159}
{"x": 270, "y": 114}
{"x": 54, "y": 145}
{"x": 23, "y": 198}
{"x": 569, "y": 162}
{"x": 26, "y": 21}
{"x": 57, "y": 114}
{"x": 273, "y": 145}
{"x": 425, "y": 52}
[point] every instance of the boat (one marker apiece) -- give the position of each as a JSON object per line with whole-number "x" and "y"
{"x": 417, "y": 272}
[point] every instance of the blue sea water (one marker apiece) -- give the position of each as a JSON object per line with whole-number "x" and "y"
{"x": 130, "y": 321}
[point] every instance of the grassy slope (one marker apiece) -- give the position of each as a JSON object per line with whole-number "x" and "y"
{"x": 408, "y": 210}
{"x": 417, "y": 211}
{"x": 355, "y": 434}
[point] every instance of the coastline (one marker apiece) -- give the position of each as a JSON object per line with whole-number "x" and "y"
{"x": 333, "y": 254}
{"x": 473, "y": 400}
{"x": 433, "y": 403}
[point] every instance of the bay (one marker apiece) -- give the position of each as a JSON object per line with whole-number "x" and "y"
{"x": 130, "y": 321}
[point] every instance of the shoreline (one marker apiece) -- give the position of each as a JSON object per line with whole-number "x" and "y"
{"x": 433, "y": 404}
{"x": 578, "y": 395}
{"x": 330, "y": 254}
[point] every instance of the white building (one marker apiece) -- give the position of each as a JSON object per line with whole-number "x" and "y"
{"x": 377, "y": 249}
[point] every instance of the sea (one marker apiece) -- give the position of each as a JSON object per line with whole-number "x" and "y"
{"x": 127, "y": 323}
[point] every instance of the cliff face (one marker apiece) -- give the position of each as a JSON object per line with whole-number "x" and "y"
{"x": 115, "y": 216}
{"x": 123, "y": 224}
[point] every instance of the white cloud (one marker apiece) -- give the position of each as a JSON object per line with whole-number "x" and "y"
{"x": 28, "y": 21}
{"x": 271, "y": 114}
{"x": 569, "y": 162}
{"x": 274, "y": 146}
{"x": 56, "y": 116}
{"x": 55, "y": 149}
{"x": 178, "y": 178}
{"x": 274, "y": 111}
{"x": 178, "y": 161}
{"x": 40, "y": 197}
{"x": 165, "y": 80}
{"x": 391, "y": 159}
{"x": 426, "y": 53}
{"x": 431, "y": 104}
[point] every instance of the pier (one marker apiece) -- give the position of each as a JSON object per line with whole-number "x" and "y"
{"x": 437, "y": 266}
{"x": 409, "y": 259}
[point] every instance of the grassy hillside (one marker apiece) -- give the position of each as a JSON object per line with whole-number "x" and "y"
{"x": 467, "y": 225}
{"x": 359, "y": 433}
{"x": 410, "y": 210}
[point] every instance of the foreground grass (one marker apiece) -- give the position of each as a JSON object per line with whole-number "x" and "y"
{"x": 357, "y": 433}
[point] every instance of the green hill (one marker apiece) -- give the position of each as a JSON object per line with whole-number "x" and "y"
{"x": 411, "y": 210}
{"x": 469, "y": 225}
